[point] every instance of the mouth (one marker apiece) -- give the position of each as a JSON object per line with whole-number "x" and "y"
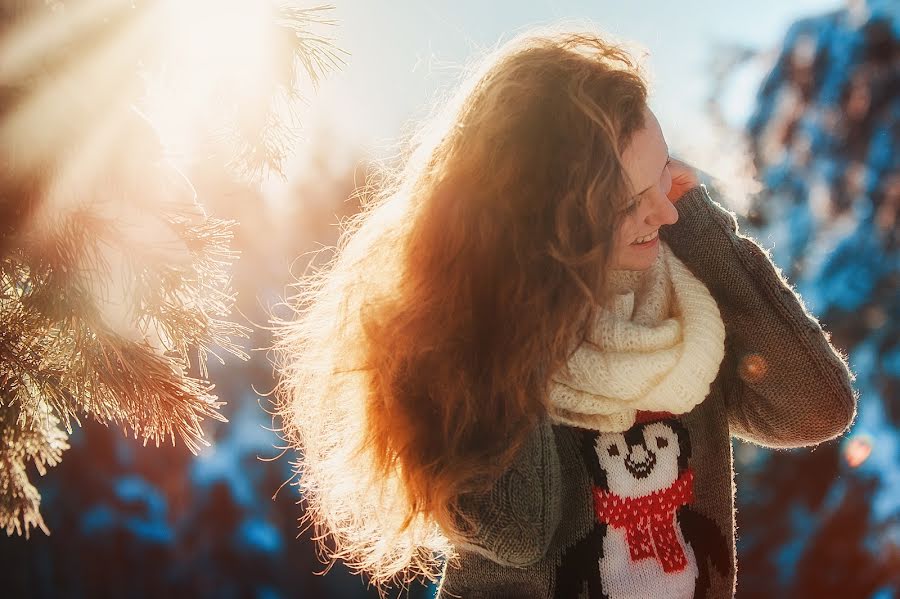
{"x": 647, "y": 240}
{"x": 641, "y": 470}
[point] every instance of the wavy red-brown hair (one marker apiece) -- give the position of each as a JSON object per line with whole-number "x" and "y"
{"x": 420, "y": 357}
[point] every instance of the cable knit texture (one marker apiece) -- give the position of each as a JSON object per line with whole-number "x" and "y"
{"x": 657, "y": 346}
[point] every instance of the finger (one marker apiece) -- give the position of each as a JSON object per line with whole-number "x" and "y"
{"x": 684, "y": 178}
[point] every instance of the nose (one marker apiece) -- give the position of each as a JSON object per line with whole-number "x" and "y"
{"x": 662, "y": 212}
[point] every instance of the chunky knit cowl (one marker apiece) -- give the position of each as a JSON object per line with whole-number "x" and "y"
{"x": 656, "y": 346}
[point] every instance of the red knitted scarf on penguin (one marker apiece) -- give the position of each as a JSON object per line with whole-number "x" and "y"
{"x": 649, "y": 521}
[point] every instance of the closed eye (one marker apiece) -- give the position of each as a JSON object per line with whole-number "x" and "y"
{"x": 632, "y": 207}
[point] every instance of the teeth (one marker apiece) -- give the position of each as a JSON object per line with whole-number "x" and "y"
{"x": 648, "y": 237}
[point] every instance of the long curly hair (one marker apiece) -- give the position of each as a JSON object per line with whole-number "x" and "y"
{"x": 419, "y": 358}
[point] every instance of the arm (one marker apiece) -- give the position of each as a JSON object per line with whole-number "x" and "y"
{"x": 786, "y": 386}
{"x": 517, "y": 518}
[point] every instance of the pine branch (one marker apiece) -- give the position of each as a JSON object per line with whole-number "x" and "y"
{"x": 315, "y": 53}
{"x": 100, "y": 307}
{"x": 262, "y": 138}
{"x": 41, "y": 443}
{"x": 114, "y": 285}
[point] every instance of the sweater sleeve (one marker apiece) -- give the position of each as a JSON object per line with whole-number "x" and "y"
{"x": 516, "y": 520}
{"x": 785, "y": 385}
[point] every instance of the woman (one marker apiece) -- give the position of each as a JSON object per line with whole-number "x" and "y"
{"x": 529, "y": 354}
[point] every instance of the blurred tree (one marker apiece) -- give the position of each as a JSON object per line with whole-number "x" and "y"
{"x": 824, "y": 135}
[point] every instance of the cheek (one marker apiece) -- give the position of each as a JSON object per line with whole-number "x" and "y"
{"x": 625, "y": 234}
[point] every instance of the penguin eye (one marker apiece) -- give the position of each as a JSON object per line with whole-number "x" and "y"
{"x": 662, "y": 442}
{"x": 613, "y": 450}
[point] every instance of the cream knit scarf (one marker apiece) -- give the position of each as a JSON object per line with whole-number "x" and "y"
{"x": 656, "y": 346}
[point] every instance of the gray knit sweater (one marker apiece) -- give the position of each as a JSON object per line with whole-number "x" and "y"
{"x": 562, "y": 522}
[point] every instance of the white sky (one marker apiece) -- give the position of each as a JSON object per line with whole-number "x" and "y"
{"x": 404, "y": 54}
{"x": 404, "y": 51}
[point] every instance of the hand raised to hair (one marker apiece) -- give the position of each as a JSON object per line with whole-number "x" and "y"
{"x": 684, "y": 178}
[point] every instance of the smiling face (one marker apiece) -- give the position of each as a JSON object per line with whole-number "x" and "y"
{"x": 645, "y": 160}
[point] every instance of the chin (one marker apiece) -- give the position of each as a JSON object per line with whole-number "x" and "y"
{"x": 639, "y": 264}
{"x": 635, "y": 259}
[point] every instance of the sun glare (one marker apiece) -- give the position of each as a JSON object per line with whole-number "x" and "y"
{"x": 215, "y": 56}
{"x": 219, "y": 45}
{"x": 202, "y": 61}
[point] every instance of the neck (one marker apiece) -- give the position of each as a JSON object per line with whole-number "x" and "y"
{"x": 622, "y": 282}
{"x": 619, "y": 282}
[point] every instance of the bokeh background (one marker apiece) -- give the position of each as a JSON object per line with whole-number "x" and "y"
{"x": 793, "y": 112}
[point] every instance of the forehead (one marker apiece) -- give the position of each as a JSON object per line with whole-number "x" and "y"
{"x": 645, "y": 155}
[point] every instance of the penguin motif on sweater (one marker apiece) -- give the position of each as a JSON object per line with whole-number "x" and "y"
{"x": 647, "y": 541}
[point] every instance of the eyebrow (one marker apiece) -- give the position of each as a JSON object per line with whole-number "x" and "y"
{"x": 668, "y": 158}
